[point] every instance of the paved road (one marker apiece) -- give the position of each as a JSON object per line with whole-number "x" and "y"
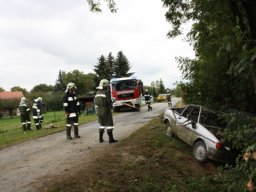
{"x": 23, "y": 167}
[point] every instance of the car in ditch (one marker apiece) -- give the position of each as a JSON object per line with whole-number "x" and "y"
{"x": 202, "y": 129}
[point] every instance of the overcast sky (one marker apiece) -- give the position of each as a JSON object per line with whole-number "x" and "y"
{"x": 38, "y": 38}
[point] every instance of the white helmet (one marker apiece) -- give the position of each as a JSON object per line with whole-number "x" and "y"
{"x": 104, "y": 83}
{"x": 39, "y": 99}
{"x": 71, "y": 85}
{"x": 23, "y": 99}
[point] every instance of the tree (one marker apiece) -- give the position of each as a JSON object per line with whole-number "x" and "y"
{"x": 42, "y": 88}
{"x": 161, "y": 87}
{"x": 85, "y": 82}
{"x": 100, "y": 69}
{"x": 17, "y": 88}
{"x": 222, "y": 75}
{"x": 2, "y": 89}
{"x": 121, "y": 65}
{"x": 95, "y": 5}
{"x": 219, "y": 35}
{"x": 110, "y": 70}
{"x": 59, "y": 85}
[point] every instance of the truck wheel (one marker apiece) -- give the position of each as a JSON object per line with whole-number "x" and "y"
{"x": 116, "y": 109}
{"x": 137, "y": 107}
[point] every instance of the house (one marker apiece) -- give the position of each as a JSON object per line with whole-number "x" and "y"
{"x": 9, "y": 101}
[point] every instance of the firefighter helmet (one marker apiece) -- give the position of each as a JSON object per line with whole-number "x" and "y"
{"x": 71, "y": 85}
{"x": 23, "y": 99}
{"x": 104, "y": 83}
{"x": 39, "y": 99}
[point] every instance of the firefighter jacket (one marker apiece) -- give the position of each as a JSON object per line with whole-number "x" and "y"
{"x": 71, "y": 104}
{"x": 36, "y": 110}
{"x": 147, "y": 96}
{"x": 24, "y": 109}
{"x": 103, "y": 99}
{"x": 103, "y": 104}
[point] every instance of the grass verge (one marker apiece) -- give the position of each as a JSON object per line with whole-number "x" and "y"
{"x": 146, "y": 161}
{"x": 11, "y": 130}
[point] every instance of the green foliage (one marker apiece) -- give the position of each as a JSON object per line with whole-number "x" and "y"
{"x": 85, "y": 82}
{"x": 54, "y": 101}
{"x": 17, "y": 88}
{"x": 59, "y": 85}
{"x": 2, "y": 89}
{"x": 241, "y": 130}
{"x": 110, "y": 66}
{"x": 42, "y": 88}
{"x": 157, "y": 87}
{"x": 222, "y": 75}
{"x": 10, "y": 105}
{"x": 121, "y": 65}
{"x": 95, "y": 6}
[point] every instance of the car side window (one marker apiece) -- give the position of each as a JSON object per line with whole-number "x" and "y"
{"x": 194, "y": 114}
{"x": 187, "y": 111}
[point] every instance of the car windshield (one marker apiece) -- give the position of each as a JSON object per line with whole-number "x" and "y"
{"x": 124, "y": 85}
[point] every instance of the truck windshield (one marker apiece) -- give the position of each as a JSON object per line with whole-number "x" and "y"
{"x": 124, "y": 85}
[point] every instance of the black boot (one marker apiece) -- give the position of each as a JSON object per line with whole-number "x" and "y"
{"x": 24, "y": 127}
{"x": 76, "y": 131}
{"x": 29, "y": 126}
{"x": 101, "y": 132}
{"x": 110, "y": 135}
{"x": 68, "y": 130}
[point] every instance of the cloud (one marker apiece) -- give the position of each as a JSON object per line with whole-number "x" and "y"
{"x": 39, "y": 38}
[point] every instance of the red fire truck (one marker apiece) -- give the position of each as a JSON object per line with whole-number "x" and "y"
{"x": 126, "y": 92}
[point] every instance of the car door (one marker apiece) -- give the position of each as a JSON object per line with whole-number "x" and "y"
{"x": 185, "y": 129}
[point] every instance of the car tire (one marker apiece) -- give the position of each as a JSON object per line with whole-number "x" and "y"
{"x": 200, "y": 152}
{"x": 168, "y": 129}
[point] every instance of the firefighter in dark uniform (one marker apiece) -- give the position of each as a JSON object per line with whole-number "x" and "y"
{"x": 37, "y": 112}
{"x": 24, "y": 114}
{"x": 103, "y": 105}
{"x": 72, "y": 110}
{"x": 148, "y": 97}
{"x": 169, "y": 100}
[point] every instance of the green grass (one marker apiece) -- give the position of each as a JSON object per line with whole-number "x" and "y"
{"x": 11, "y": 130}
{"x": 146, "y": 161}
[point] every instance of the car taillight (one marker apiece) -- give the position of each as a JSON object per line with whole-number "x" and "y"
{"x": 219, "y": 145}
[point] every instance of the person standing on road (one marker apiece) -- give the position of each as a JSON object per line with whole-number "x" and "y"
{"x": 37, "y": 112}
{"x": 25, "y": 114}
{"x": 148, "y": 97}
{"x": 103, "y": 105}
{"x": 169, "y": 100}
{"x": 72, "y": 110}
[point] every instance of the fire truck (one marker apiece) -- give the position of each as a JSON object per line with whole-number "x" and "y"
{"x": 126, "y": 93}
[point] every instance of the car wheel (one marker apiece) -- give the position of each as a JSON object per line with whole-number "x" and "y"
{"x": 200, "y": 152}
{"x": 168, "y": 129}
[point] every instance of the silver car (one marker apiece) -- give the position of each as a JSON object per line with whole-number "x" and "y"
{"x": 202, "y": 129}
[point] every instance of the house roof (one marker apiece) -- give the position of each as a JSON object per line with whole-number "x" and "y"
{"x": 10, "y": 95}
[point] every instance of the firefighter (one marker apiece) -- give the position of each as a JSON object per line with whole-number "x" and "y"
{"x": 37, "y": 112}
{"x": 169, "y": 100}
{"x": 148, "y": 97}
{"x": 103, "y": 105}
{"x": 25, "y": 114}
{"x": 72, "y": 110}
